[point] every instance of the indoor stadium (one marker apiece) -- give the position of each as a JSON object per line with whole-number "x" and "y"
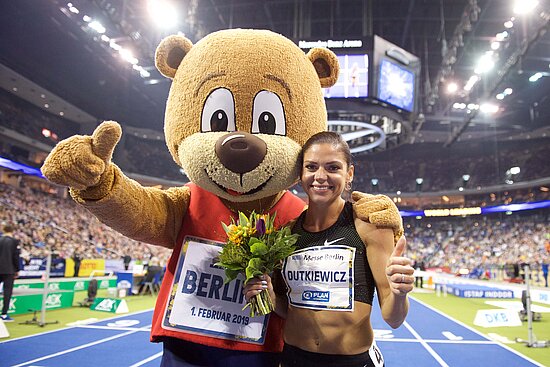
{"x": 112, "y": 243}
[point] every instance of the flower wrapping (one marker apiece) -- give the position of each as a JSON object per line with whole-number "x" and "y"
{"x": 255, "y": 247}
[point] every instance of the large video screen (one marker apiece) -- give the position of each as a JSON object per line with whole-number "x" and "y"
{"x": 396, "y": 85}
{"x": 353, "y": 81}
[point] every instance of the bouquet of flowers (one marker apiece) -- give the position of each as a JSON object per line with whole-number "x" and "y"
{"x": 255, "y": 247}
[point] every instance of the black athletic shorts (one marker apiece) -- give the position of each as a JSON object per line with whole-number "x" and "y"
{"x": 296, "y": 357}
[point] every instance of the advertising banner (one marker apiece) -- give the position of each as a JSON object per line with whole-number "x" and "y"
{"x": 22, "y": 303}
{"x": 36, "y": 268}
{"x": 109, "y": 305}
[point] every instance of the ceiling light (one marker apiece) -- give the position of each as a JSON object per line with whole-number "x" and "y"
{"x": 452, "y": 87}
{"x": 115, "y": 46}
{"x": 127, "y": 56}
{"x": 533, "y": 78}
{"x": 500, "y": 96}
{"x": 61, "y": 113}
{"x": 419, "y": 181}
{"x": 524, "y": 6}
{"x": 163, "y": 13}
{"x": 484, "y": 64}
{"x": 502, "y": 36}
{"x": 495, "y": 45}
{"x": 87, "y": 18}
{"x": 471, "y": 82}
{"x": 466, "y": 177}
{"x": 144, "y": 73}
{"x": 374, "y": 181}
{"x": 96, "y": 26}
{"x": 508, "y": 24}
{"x": 488, "y": 108}
{"x": 515, "y": 170}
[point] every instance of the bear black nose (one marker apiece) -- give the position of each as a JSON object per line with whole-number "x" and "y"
{"x": 240, "y": 152}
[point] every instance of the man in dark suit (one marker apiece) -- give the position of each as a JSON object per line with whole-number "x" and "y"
{"x": 9, "y": 267}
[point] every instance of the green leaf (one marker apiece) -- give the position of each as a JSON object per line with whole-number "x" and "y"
{"x": 225, "y": 228}
{"x": 230, "y": 266}
{"x": 259, "y": 248}
{"x": 243, "y": 220}
{"x": 230, "y": 275}
{"x": 254, "y": 268}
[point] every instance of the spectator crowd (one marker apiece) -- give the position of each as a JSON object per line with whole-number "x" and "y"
{"x": 44, "y": 221}
{"x": 481, "y": 246}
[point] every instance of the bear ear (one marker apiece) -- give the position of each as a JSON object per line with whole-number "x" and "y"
{"x": 170, "y": 53}
{"x": 326, "y": 65}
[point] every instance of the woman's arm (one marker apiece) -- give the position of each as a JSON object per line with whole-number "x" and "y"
{"x": 392, "y": 272}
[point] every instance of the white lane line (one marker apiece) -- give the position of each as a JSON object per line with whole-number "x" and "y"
{"x": 76, "y": 348}
{"x": 72, "y": 327}
{"x": 439, "y": 341}
{"x": 144, "y": 328}
{"x": 434, "y": 354}
{"x": 478, "y": 332}
{"x": 153, "y": 357}
{"x": 451, "y": 336}
{"x": 501, "y": 338}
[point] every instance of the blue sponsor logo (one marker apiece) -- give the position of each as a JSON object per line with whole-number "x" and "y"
{"x": 316, "y": 296}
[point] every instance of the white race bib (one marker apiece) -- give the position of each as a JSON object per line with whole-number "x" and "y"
{"x": 200, "y": 302}
{"x": 321, "y": 278}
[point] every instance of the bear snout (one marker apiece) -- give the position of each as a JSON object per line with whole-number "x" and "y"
{"x": 240, "y": 152}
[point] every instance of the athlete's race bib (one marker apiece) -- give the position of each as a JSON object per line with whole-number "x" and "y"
{"x": 321, "y": 278}
{"x": 375, "y": 355}
{"x": 201, "y": 303}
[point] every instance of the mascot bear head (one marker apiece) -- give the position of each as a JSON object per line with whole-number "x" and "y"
{"x": 241, "y": 105}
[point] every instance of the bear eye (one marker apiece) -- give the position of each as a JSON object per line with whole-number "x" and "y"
{"x": 268, "y": 116}
{"x": 218, "y": 113}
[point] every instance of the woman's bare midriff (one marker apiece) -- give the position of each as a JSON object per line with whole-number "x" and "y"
{"x": 330, "y": 332}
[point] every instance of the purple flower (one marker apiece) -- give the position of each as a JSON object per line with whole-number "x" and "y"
{"x": 260, "y": 227}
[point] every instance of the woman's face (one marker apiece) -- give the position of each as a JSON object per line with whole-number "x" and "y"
{"x": 325, "y": 173}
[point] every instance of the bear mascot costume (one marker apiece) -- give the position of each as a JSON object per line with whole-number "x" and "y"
{"x": 241, "y": 105}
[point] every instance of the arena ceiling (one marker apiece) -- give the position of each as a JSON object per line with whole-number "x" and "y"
{"x": 51, "y": 44}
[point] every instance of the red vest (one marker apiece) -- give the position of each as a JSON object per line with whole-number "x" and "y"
{"x": 203, "y": 219}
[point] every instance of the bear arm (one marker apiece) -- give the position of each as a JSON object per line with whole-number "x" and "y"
{"x": 142, "y": 213}
{"x": 386, "y": 216}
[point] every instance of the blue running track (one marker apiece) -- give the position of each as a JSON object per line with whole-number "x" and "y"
{"x": 428, "y": 338}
